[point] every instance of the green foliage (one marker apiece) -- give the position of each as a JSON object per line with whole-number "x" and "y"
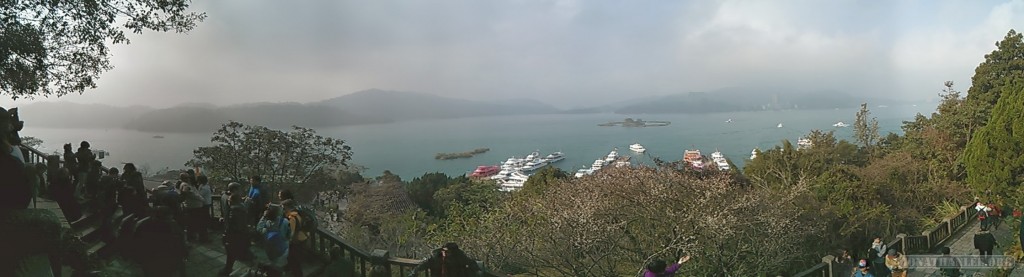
{"x": 993, "y": 157}
{"x": 865, "y": 128}
{"x": 61, "y": 47}
{"x": 421, "y": 190}
{"x": 471, "y": 198}
{"x": 1001, "y": 68}
{"x": 241, "y": 150}
{"x": 540, "y": 181}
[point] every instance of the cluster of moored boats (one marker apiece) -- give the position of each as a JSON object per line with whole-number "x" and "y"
{"x": 513, "y": 173}
{"x": 612, "y": 159}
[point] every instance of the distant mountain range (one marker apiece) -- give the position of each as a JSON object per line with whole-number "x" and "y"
{"x": 382, "y": 106}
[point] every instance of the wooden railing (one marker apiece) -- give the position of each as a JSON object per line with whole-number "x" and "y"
{"x": 925, "y": 243}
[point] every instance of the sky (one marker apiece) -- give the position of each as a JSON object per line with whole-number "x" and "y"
{"x": 566, "y": 53}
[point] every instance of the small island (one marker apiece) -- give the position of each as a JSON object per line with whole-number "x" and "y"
{"x": 460, "y": 155}
{"x": 629, "y": 122}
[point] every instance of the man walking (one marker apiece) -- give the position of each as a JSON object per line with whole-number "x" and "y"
{"x": 985, "y": 242}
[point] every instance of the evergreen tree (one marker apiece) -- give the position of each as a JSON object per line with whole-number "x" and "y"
{"x": 1000, "y": 68}
{"x": 993, "y": 157}
{"x": 865, "y": 128}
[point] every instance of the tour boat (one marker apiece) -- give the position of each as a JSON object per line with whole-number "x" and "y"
{"x": 485, "y": 171}
{"x": 636, "y": 147}
{"x": 694, "y": 158}
{"x": 840, "y": 124}
{"x": 554, "y": 157}
{"x": 720, "y": 160}
{"x": 753, "y": 154}
{"x": 780, "y": 126}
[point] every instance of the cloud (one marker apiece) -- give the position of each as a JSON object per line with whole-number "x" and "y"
{"x": 564, "y": 52}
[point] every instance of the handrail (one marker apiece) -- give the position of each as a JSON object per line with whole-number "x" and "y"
{"x": 926, "y": 242}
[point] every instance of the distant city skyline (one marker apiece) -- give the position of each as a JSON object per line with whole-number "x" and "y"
{"x": 565, "y": 53}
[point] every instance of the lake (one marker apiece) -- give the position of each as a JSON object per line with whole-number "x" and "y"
{"x": 408, "y": 148}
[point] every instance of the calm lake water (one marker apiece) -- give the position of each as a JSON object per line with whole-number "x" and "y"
{"x": 408, "y": 148}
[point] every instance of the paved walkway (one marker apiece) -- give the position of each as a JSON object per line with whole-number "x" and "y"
{"x": 963, "y": 244}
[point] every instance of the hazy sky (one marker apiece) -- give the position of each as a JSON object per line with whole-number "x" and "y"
{"x": 564, "y": 52}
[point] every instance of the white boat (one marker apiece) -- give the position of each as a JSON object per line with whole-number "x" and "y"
{"x": 728, "y": 120}
{"x": 514, "y": 182}
{"x": 554, "y": 157}
{"x": 804, "y": 143}
{"x": 753, "y": 154}
{"x": 780, "y": 126}
{"x": 612, "y": 156}
{"x": 598, "y": 165}
{"x": 720, "y": 160}
{"x": 583, "y": 172}
{"x": 840, "y": 124}
{"x": 534, "y": 165}
{"x": 636, "y": 147}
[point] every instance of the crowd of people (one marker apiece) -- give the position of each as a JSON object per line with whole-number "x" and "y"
{"x": 158, "y": 226}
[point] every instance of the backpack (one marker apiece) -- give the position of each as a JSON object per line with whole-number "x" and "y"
{"x": 307, "y": 219}
{"x": 277, "y": 241}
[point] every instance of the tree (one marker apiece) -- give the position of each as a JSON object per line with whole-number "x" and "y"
{"x": 865, "y": 129}
{"x": 1000, "y": 68}
{"x": 241, "y": 150}
{"x": 421, "y": 190}
{"x": 615, "y": 223}
{"x": 31, "y": 142}
{"x": 540, "y": 181}
{"x": 61, "y": 47}
{"x": 993, "y": 157}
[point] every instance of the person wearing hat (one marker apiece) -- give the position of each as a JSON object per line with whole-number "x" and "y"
{"x": 863, "y": 269}
{"x": 897, "y": 263}
{"x": 448, "y": 261}
{"x": 15, "y": 188}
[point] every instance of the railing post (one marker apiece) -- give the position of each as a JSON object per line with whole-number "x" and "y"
{"x": 379, "y": 260}
{"x": 829, "y": 260}
{"x": 927, "y": 240}
{"x": 903, "y": 242}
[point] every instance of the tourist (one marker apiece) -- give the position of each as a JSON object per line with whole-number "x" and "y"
{"x": 657, "y": 268}
{"x": 276, "y": 233}
{"x": 92, "y": 180}
{"x": 984, "y": 242}
{"x": 257, "y": 198}
{"x": 876, "y": 254}
{"x": 448, "y": 261}
{"x": 948, "y": 265}
{"x": 984, "y": 214}
{"x": 863, "y": 269}
{"x": 13, "y": 139}
{"x": 285, "y": 195}
{"x": 298, "y": 237}
{"x": 62, "y": 189}
{"x": 132, "y": 194}
{"x": 85, "y": 158}
{"x": 897, "y": 263}
{"x": 193, "y": 206}
{"x": 15, "y": 190}
{"x": 206, "y": 193}
{"x": 167, "y": 196}
{"x": 71, "y": 163}
{"x": 106, "y": 196}
{"x": 236, "y": 228}
{"x": 163, "y": 244}
{"x": 844, "y": 266}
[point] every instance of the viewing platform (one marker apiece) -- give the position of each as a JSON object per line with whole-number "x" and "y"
{"x": 326, "y": 254}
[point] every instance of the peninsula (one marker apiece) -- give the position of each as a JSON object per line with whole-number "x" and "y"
{"x": 460, "y": 155}
{"x": 629, "y": 122}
